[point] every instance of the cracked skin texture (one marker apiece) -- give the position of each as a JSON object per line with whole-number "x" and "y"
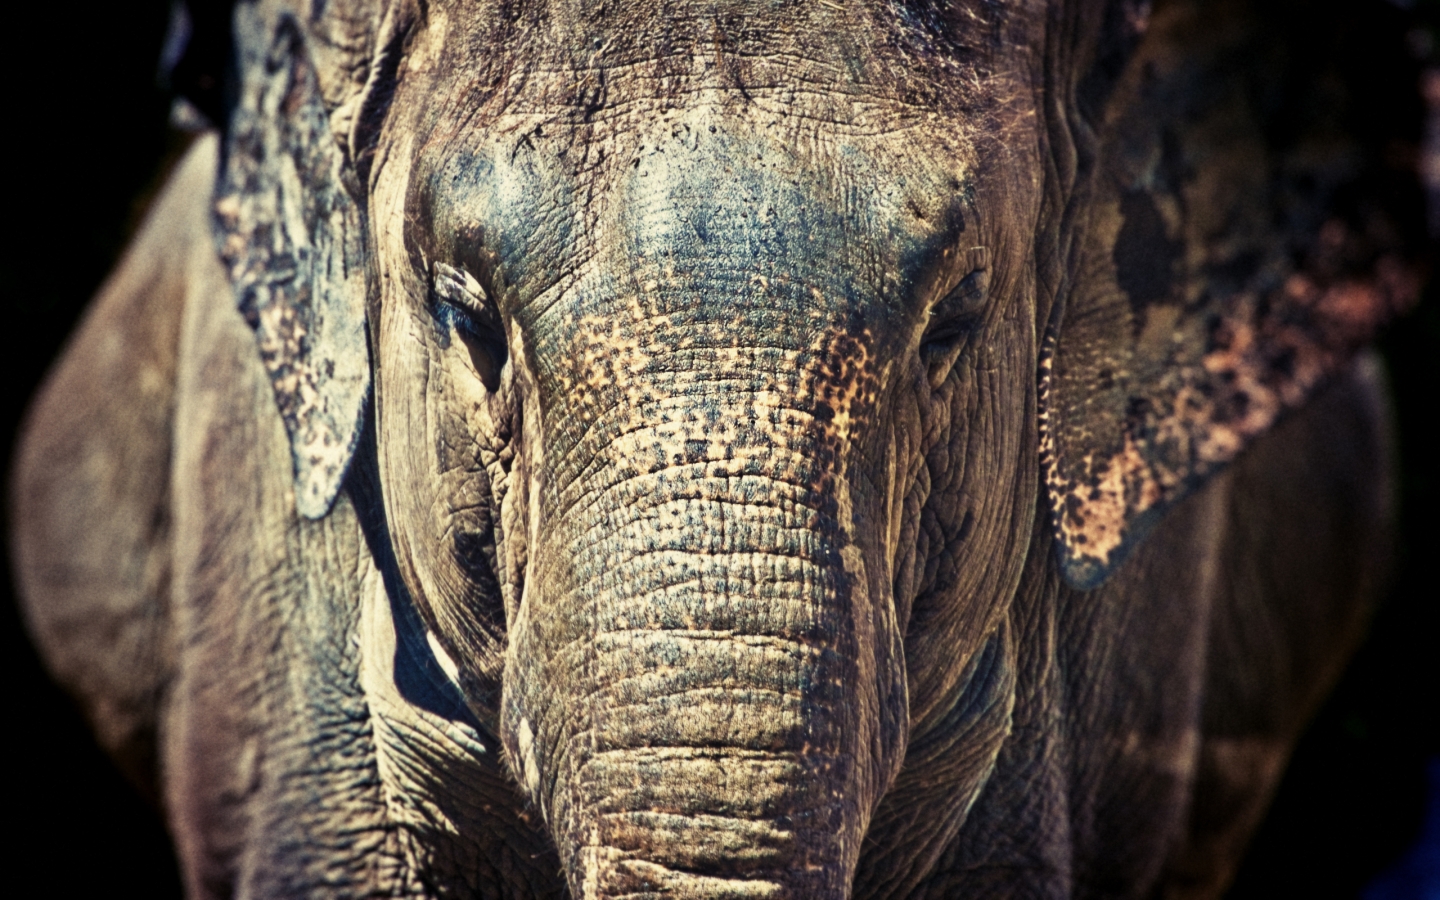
{"x": 799, "y": 454}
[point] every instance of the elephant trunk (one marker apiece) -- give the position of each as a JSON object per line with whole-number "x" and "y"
{"x": 696, "y": 704}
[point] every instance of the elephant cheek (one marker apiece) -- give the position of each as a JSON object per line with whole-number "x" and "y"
{"x": 434, "y": 434}
{"x": 696, "y": 692}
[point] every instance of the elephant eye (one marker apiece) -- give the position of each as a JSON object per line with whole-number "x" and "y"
{"x": 952, "y": 321}
{"x": 462, "y": 306}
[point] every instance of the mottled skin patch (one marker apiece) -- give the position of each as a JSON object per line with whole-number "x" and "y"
{"x": 710, "y": 534}
{"x": 1197, "y": 334}
{"x": 292, "y": 239}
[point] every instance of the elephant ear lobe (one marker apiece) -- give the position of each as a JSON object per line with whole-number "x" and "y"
{"x": 292, "y": 239}
{"x": 1246, "y": 233}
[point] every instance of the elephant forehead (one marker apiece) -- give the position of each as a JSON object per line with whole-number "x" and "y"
{"x": 741, "y": 255}
{"x": 608, "y": 58}
{"x": 698, "y": 199}
{"x": 808, "y": 205}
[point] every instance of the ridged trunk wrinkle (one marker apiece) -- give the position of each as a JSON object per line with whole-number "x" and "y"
{"x": 694, "y": 727}
{"x": 700, "y": 665}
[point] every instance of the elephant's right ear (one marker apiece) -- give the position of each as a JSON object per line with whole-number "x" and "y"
{"x": 1250, "y": 224}
{"x": 291, "y": 223}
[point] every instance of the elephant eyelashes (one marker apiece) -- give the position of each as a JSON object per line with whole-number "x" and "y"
{"x": 461, "y": 304}
{"x": 952, "y": 320}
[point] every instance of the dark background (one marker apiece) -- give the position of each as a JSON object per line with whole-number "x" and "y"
{"x": 86, "y": 143}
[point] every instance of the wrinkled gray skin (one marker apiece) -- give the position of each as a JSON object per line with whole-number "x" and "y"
{"x": 692, "y": 539}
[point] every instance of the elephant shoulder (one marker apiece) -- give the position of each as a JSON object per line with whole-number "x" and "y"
{"x": 1306, "y": 555}
{"x": 89, "y": 491}
{"x": 1309, "y": 538}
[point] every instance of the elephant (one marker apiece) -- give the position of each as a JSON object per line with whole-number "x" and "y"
{"x": 872, "y": 448}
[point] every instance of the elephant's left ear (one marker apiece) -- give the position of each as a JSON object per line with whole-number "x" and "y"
{"x": 291, "y": 223}
{"x": 1250, "y": 224}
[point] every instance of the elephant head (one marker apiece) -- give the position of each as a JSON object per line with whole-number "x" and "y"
{"x": 728, "y": 363}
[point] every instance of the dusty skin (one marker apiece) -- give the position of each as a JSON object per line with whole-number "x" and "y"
{"x": 721, "y": 450}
